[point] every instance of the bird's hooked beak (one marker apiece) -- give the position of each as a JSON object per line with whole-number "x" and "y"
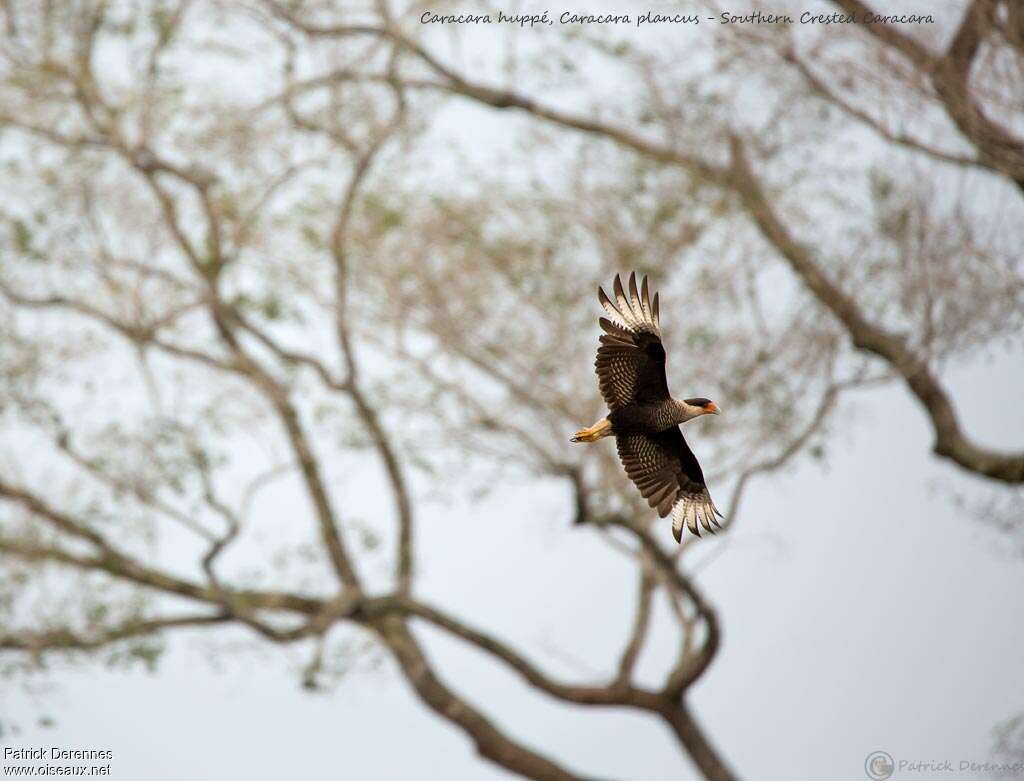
{"x": 712, "y": 409}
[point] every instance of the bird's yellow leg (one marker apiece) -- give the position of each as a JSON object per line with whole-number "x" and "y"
{"x": 602, "y": 428}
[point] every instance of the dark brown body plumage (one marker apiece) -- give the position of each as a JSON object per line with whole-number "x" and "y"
{"x": 644, "y": 418}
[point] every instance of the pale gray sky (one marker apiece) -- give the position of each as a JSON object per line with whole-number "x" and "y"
{"x": 861, "y": 611}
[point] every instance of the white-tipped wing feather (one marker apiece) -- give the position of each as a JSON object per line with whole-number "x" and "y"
{"x": 694, "y": 510}
{"x": 634, "y": 313}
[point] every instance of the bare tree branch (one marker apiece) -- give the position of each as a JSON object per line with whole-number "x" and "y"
{"x": 949, "y": 74}
{"x": 491, "y": 742}
{"x": 950, "y": 441}
{"x": 71, "y": 640}
{"x": 641, "y": 625}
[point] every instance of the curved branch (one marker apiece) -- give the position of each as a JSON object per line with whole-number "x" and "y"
{"x": 309, "y": 466}
{"x": 692, "y": 736}
{"x": 366, "y": 411}
{"x": 950, "y": 441}
{"x": 889, "y": 34}
{"x": 641, "y": 625}
{"x": 690, "y": 669}
{"x": 832, "y": 97}
{"x": 616, "y": 693}
{"x": 949, "y": 73}
{"x": 491, "y": 743}
{"x": 825, "y": 405}
{"x": 109, "y": 559}
{"x": 69, "y": 640}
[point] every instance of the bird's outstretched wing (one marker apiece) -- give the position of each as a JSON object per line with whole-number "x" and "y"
{"x": 667, "y": 473}
{"x": 631, "y": 359}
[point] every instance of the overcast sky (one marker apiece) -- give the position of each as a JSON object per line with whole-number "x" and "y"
{"x": 861, "y": 611}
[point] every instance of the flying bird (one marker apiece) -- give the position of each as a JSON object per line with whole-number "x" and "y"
{"x": 643, "y": 417}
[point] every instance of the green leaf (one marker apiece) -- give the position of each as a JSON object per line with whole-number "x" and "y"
{"x": 23, "y": 238}
{"x": 271, "y": 308}
{"x": 311, "y": 236}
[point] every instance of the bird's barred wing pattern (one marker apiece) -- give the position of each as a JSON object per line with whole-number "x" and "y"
{"x": 667, "y": 473}
{"x": 652, "y": 468}
{"x": 630, "y": 362}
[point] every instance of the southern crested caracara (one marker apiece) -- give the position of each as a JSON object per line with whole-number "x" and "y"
{"x": 644, "y": 418}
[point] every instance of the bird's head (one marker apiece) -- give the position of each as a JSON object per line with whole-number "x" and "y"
{"x": 702, "y": 406}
